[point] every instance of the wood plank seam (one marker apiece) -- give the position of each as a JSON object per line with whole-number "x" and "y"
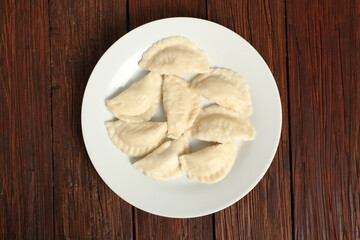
{"x": 213, "y": 215}
{"x": 127, "y": 16}
{"x": 213, "y": 222}
{"x": 132, "y": 207}
{"x": 289, "y": 121}
{"x": 133, "y": 223}
{"x": 51, "y": 120}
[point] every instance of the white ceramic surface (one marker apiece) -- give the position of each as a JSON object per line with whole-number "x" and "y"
{"x": 181, "y": 198}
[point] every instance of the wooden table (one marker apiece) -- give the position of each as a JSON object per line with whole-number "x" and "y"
{"x": 48, "y": 186}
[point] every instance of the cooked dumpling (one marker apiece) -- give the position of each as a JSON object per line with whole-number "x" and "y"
{"x": 138, "y": 102}
{"x": 174, "y": 55}
{"x": 139, "y": 118}
{"x": 226, "y": 88}
{"x": 218, "y": 124}
{"x": 163, "y": 162}
{"x": 136, "y": 139}
{"x": 210, "y": 164}
{"x": 181, "y": 104}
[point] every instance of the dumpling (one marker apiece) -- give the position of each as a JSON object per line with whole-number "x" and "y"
{"x": 163, "y": 162}
{"x": 226, "y": 88}
{"x": 174, "y": 55}
{"x": 218, "y": 124}
{"x": 181, "y": 104}
{"x": 136, "y": 139}
{"x": 139, "y": 102}
{"x": 139, "y": 118}
{"x": 210, "y": 164}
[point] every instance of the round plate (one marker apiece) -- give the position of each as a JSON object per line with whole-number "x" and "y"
{"x": 181, "y": 198}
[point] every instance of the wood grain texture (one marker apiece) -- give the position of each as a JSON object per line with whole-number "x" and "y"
{"x": 324, "y": 88}
{"x": 85, "y": 208}
{"x": 265, "y": 213}
{"x": 148, "y": 226}
{"x": 48, "y": 186}
{"x": 25, "y": 139}
{"x": 144, "y": 11}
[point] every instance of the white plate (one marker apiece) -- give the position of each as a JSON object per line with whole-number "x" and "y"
{"x": 181, "y": 198}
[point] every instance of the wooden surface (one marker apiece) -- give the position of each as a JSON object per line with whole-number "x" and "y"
{"x": 268, "y": 206}
{"x": 324, "y": 91}
{"x": 48, "y": 186}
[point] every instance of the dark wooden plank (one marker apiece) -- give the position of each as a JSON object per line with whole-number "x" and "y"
{"x": 84, "y": 206}
{"x": 148, "y": 226}
{"x": 324, "y": 73}
{"x": 265, "y": 213}
{"x": 143, "y": 11}
{"x": 25, "y": 122}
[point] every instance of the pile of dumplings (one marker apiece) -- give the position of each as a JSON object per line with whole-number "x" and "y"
{"x": 164, "y": 146}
